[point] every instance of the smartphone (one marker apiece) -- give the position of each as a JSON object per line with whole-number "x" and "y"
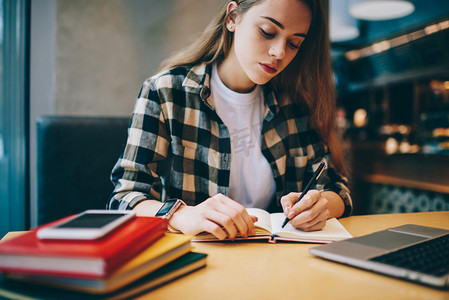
{"x": 88, "y": 225}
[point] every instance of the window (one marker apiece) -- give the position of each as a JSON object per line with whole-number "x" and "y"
{"x": 14, "y": 133}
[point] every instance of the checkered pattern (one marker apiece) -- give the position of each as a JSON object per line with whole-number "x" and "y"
{"x": 177, "y": 140}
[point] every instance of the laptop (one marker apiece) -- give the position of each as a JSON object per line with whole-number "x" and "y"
{"x": 411, "y": 252}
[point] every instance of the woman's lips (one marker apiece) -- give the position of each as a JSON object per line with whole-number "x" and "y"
{"x": 269, "y": 68}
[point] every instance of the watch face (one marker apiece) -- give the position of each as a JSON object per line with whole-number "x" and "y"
{"x": 166, "y": 207}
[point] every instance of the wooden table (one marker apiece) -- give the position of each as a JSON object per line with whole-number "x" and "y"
{"x": 287, "y": 270}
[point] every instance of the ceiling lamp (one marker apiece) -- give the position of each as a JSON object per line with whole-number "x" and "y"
{"x": 378, "y": 10}
{"x": 342, "y": 27}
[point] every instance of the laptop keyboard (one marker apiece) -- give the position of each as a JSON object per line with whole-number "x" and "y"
{"x": 429, "y": 257}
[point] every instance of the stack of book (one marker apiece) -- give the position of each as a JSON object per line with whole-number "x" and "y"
{"x": 135, "y": 258}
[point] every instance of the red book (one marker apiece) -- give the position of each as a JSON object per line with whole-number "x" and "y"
{"x": 27, "y": 254}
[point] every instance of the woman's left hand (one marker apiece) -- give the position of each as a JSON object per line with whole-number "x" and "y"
{"x": 309, "y": 214}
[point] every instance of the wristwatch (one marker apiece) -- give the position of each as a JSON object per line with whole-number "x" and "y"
{"x": 169, "y": 208}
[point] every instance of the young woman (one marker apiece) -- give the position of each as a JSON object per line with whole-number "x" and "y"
{"x": 240, "y": 119}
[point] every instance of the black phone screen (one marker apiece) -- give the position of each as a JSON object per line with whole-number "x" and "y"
{"x": 91, "y": 221}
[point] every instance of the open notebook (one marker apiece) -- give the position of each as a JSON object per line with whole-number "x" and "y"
{"x": 268, "y": 227}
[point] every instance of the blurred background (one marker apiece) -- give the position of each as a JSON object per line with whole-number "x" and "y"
{"x": 90, "y": 57}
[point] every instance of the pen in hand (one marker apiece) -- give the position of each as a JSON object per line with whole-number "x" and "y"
{"x": 311, "y": 183}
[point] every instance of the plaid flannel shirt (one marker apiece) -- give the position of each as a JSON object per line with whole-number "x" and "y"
{"x": 178, "y": 147}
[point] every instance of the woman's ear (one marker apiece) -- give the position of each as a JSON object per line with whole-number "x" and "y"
{"x": 232, "y": 14}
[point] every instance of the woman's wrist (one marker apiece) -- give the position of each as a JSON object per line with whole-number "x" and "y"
{"x": 175, "y": 222}
{"x": 335, "y": 204}
{"x": 147, "y": 208}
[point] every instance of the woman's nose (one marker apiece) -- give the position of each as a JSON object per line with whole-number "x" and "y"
{"x": 277, "y": 49}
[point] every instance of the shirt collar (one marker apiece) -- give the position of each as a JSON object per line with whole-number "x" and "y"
{"x": 198, "y": 78}
{"x": 271, "y": 103}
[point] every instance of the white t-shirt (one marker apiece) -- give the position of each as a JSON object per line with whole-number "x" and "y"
{"x": 251, "y": 180}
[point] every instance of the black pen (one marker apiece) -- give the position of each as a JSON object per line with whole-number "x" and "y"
{"x": 312, "y": 182}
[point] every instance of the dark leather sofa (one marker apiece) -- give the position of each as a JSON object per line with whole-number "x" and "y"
{"x": 75, "y": 156}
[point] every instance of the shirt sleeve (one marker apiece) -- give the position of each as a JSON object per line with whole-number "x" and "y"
{"x": 136, "y": 175}
{"x": 331, "y": 180}
{"x": 339, "y": 185}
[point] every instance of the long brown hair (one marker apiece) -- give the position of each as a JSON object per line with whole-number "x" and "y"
{"x": 307, "y": 79}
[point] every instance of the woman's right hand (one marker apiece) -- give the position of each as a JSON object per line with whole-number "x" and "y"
{"x": 218, "y": 215}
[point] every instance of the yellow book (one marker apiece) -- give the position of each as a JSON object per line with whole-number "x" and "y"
{"x": 163, "y": 251}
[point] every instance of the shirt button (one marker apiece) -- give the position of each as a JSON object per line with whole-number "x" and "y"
{"x": 206, "y": 92}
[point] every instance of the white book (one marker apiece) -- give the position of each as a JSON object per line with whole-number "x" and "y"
{"x": 268, "y": 227}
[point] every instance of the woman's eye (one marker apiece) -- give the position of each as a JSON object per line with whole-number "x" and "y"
{"x": 266, "y": 34}
{"x": 293, "y": 45}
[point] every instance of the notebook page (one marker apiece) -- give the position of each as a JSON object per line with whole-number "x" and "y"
{"x": 264, "y": 219}
{"x": 332, "y": 231}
